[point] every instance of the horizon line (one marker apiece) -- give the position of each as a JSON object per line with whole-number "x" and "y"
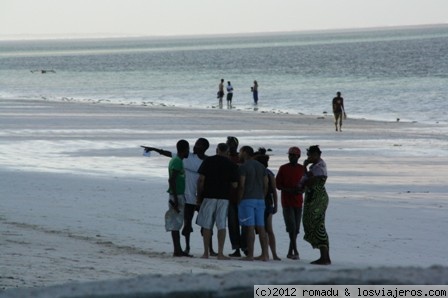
{"x": 84, "y": 36}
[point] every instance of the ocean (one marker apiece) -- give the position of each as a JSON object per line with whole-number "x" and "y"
{"x": 383, "y": 74}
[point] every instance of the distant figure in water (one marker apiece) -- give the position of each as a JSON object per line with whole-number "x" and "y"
{"x": 229, "y": 95}
{"x": 338, "y": 111}
{"x": 221, "y": 92}
{"x": 254, "y": 90}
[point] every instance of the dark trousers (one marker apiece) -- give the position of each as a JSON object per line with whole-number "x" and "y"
{"x": 236, "y": 235}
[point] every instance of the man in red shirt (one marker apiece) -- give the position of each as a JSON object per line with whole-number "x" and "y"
{"x": 287, "y": 180}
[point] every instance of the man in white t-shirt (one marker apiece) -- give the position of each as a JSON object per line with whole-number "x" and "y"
{"x": 229, "y": 95}
{"x": 191, "y": 167}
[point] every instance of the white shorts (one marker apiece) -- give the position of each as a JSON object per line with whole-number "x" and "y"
{"x": 211, "y": 211}
{"x": 173, "y": 219}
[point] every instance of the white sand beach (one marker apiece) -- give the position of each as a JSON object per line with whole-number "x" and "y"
{"x": 80, "y": 203}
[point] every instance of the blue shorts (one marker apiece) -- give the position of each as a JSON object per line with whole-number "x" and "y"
{"x": 251, "y": 212}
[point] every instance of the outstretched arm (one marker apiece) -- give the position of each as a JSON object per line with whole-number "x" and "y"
{"x": 160, "y": 151}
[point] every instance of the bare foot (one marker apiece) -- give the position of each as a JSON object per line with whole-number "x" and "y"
{"x": 213, "y": 254}
{"x": 247, "y": 259}
{"x": 182, "y": 254}
{"x": 276, "y": 258}
{"x": 236, "y": 254}
{"x": 262, "y": 258}
{"x": 204, "y": 256}
{"x": 223, "y": 257}
{"x": 321, "y": 262}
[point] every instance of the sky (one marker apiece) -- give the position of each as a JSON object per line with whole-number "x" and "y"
{"x": 67, "y": 18}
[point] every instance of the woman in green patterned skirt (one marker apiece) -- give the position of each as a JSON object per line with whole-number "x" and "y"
{"x": 315, "y": 204}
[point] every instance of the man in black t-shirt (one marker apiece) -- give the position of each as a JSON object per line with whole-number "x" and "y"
{"x": 217, "y": 176}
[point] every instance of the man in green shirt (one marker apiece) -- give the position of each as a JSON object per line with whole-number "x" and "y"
{"x": 175, "y": 215}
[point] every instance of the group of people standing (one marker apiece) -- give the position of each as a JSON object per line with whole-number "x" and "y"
{"x": 229, "y": 89}
{"x": 236, "y": 188}
{"x": 337, "y": 102}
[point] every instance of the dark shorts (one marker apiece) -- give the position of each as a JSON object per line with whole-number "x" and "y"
{"x": 229, "y": 96}
{"x": 269, "y": 210}
{"x": 292, "y": 217}
{"x": 338, "y": 115}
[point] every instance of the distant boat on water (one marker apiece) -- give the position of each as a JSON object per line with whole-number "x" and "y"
{"x": 43, "y": 70}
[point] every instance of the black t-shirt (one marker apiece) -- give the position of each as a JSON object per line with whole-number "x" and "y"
{"x": 219, "y": 172}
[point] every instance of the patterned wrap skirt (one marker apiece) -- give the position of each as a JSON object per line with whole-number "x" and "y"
{"x": 314, "y": 208}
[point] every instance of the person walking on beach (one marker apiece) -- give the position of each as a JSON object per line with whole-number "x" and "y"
{"x": 191, "y": 165}
{"x": 288, "y": 177}
{"x": 217, "y": 175}
{"x": 175, "y": 215}
{"x": 338, "y": 110}
{"x": 229, "y": 95}
{"x": 252, "y": 188}
{"x": 237, "y": 237}
{"x": 220, "y": 92}
{"x": 316, "y": 203}
{"x": 254, "y": 90}
{"x": 271, "y": 201}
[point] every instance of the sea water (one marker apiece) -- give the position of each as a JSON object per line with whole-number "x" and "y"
{"x": 383, "y": 74}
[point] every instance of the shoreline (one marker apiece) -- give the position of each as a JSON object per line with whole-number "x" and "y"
{"x": 214, "y": 107}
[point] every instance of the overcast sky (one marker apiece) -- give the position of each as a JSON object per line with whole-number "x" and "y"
{"x": 185, "y": 17}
